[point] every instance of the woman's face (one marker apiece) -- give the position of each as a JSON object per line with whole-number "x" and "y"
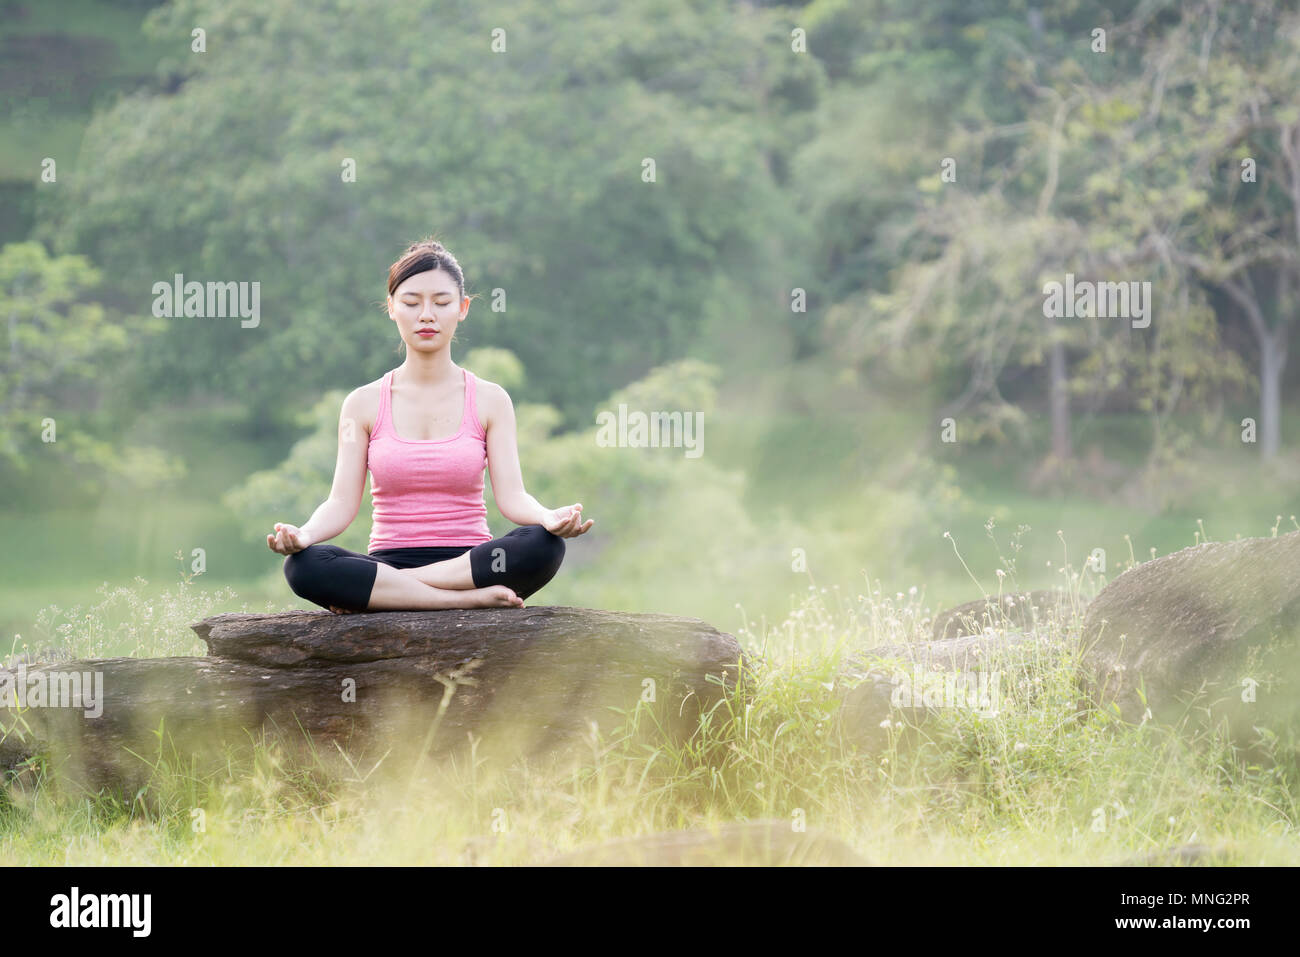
{"x": 427, "y": 307}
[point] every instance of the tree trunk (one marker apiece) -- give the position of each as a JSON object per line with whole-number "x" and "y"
{"x": 1271, "y": 363}
{"x": 1059, "y": 397}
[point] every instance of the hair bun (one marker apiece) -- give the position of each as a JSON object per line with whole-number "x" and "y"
{"x": 423, "y": 255}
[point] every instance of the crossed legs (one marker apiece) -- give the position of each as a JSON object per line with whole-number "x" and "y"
{"x": 499, "y": 573}
{"x": 395, "y": 589}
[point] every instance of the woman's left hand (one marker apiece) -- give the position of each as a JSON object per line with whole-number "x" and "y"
{"x": 566, "y": 522}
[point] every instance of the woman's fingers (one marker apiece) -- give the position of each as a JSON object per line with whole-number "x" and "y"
{"x": 286, "y": 539}
{"x": 283, "y": 540}
{"x": 571, "y": 528}
{"x": 565, "y": 516}
{"x": 571, "y": 523}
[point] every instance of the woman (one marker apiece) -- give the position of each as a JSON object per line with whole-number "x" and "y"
{"x": 425, "y": 430}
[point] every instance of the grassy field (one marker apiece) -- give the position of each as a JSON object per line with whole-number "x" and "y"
{"x": 1028, "y": 785}
{"x": 1037, "y": 781}
{"x": 855, "y": 527}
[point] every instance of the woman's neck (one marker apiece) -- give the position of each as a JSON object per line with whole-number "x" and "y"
{"x": 429, "y": 371}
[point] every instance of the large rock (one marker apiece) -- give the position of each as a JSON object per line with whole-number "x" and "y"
{"x": 529, "y": 681}
{"x": 1202, "y": 631}
{"x": 888, "y": 687}
{"x": 1020, "y": 611}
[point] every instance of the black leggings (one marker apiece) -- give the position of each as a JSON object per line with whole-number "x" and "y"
{"x": 524, "y": 560}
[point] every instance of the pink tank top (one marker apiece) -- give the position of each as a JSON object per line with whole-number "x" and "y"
{"x": 427, "y": 492}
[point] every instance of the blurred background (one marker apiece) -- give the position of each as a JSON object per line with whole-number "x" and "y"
{"x": 824, "y": 230}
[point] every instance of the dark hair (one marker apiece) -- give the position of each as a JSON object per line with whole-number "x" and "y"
{"x": 420, "y": 257}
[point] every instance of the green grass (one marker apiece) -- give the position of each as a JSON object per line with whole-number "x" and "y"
{"x": 854, "y": 528}
{"x": 1023, "y": 786}
{"x": 1029, "y": 784}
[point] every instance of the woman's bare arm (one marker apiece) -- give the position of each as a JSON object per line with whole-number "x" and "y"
{"x": 513, "y": 501}
{"x": 337, "y": 511}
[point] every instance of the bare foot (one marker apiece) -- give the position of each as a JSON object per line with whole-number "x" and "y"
{"x": 493, "y": 596}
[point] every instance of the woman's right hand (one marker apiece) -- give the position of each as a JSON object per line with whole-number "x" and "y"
{"x": 287, "y": 539}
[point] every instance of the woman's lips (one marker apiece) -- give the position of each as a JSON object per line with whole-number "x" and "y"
{"x": 427, "y": 333}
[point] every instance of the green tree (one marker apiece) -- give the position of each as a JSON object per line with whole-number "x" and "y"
{"x": 966, "y": 296}
{"x": 1210, "y": 181}
{"x": 60, "y": 342}
{"x": 528, "y": 160}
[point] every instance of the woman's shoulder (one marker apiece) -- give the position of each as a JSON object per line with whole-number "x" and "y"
{"x": 489, "y": 399}
{"x": 362, "y": 404}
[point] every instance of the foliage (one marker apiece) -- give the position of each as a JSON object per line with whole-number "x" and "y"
{"x": 528, "y": 163}
{"x": 59, "y": 342}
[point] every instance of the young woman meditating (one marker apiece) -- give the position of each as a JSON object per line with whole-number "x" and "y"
{"x": 425, "y": 430}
